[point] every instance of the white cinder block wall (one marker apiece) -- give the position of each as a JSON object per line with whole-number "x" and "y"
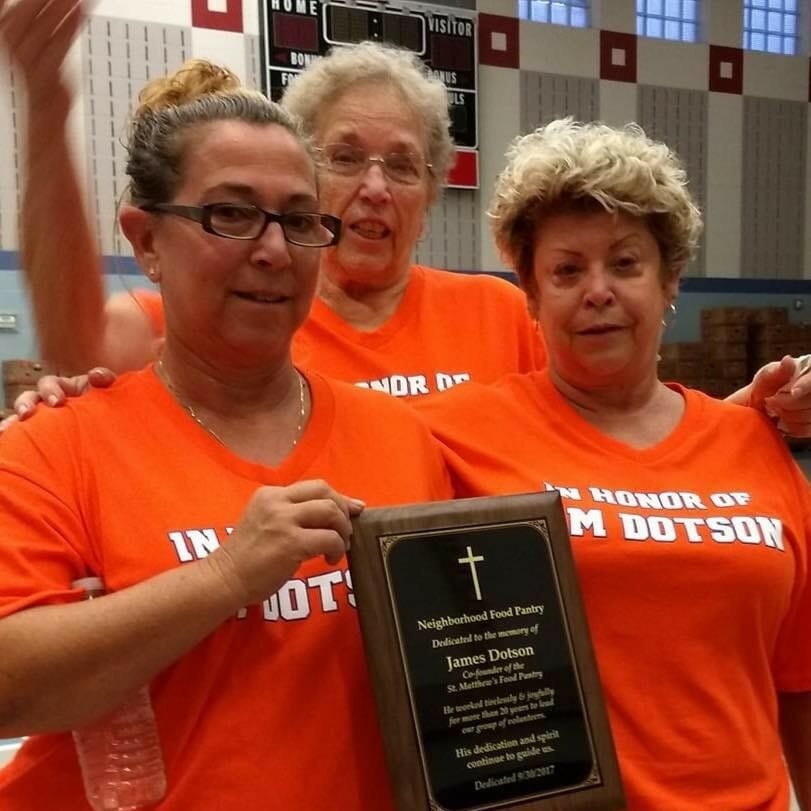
{"x": 126, "y": 43}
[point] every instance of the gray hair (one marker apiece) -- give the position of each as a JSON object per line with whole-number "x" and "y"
{"x": 568, "y": 166}
{"x": 312, "y": 91}
{"x": 197, "y": 94}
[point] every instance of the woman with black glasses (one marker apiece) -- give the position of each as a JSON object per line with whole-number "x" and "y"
{"x": 197, "y": 490}
{"x": 380, "y": 119}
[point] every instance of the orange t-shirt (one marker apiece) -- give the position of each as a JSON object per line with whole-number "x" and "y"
{"x": 693, "y": 560}
{"x": 273, "y": 708}
{"x": 448, "y": 328}
{"x": 151, "y": 304}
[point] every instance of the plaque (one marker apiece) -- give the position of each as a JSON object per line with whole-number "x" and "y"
{"x": 480, "y": 658}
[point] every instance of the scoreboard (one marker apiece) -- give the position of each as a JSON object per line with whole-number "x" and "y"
{"x": 295, "y": 32}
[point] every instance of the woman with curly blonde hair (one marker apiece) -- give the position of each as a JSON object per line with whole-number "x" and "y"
{"x": 689, "y": 519}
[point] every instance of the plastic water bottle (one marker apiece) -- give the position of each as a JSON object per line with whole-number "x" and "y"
{"x": 120, "y": 755}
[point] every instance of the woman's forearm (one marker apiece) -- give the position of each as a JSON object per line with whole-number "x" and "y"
{"x": 63, "y": 666}
{"x": 60, "y": 258}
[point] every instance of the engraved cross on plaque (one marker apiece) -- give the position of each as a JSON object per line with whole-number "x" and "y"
{"x": 473, "y": 560}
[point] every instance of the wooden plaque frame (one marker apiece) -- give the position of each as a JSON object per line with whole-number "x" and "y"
{"x": 379, "y": 531}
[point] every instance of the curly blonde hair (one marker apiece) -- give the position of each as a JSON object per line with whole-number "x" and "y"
{"x": 199, "y": 92}
{"x": 310, "y": 94}
{"x": 571, "y": 166}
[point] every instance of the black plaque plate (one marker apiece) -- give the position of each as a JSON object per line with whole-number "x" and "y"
{"x": 480, "y": 657}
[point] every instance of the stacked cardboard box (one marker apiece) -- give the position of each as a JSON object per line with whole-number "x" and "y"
{"x": 735, "y": 343}
{"x": 724, "y": 339}
{"x": 771, "y": 336}
{"x": 20, "y": 376}
{"x": 681, "y": 362}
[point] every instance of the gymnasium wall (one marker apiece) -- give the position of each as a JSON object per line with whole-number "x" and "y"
{"x": 739, "y": 119}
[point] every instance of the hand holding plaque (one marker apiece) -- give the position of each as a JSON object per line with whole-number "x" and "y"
{"x": 480, "y": 658}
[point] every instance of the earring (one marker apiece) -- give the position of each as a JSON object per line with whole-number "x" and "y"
{"x": 669, "y": 321}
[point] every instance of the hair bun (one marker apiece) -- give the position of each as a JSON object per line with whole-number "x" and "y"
{"x": 193, "y": 79}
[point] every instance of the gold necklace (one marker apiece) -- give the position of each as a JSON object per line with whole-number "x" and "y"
{"x": 164, "y": 375}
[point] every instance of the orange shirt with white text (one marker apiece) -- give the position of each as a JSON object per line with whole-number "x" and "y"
{"x": 693, "y": 560}
{"x": 273, "y": 709}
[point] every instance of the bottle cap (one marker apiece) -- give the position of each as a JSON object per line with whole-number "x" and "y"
{"x": 88, "y": 584}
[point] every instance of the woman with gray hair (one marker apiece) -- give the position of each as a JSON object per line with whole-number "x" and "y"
{"x": 689, "y": 519}
{"x": 380, "y": 119}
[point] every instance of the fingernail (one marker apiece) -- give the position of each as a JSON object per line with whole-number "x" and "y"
{"x": 357, "y": 502}
{"x": 52, "y": 400}
{"x": 24, "y": 408}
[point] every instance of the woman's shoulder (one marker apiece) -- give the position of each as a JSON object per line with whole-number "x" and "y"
{"x": 358, "y": 399}
{"x": 465, "y": 404}
{"x": 725, "y": 419}
{"x": 129, "y": 392}
{"x": 719, "y": 409}
{"x": 97, "y": 406}
{"x": 482, "y": 401}
{"x": 57, "y": 441}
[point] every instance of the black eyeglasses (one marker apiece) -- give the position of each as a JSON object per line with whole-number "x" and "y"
{"x": 244, "y": 221}
{"x": 407, "y": 168}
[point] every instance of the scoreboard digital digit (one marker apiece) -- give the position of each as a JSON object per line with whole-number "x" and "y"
{"x": 294, "y": 32}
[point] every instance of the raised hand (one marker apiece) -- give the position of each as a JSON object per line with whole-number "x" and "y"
{"x": 38, "y": 35}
